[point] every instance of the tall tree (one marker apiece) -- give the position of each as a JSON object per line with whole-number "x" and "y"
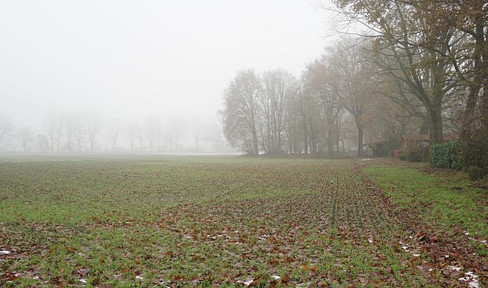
{"x": 55, "y": 127}
{"x": 469, "y": 55}
{"x": 278, "y": 87}
{"x": 415, "y": 56}
{"x": 153, "y": 131}
{"x": 241, "y": 111}
{"x": 353, "y": 82}
{"x": 26, "y": 138}
{"x": 133, "y": 131}
{"x": 6, "y": 129}
{"x": 318, "y": 82}
{"x": 114, "y": 128}
{"x": 93, "y": 127}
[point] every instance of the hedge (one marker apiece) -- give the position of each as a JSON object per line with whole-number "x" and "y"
{"x": 445, "y": 155}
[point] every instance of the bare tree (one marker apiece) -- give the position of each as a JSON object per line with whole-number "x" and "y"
{"x": 414, "y": 55}
{"x": 26, "y": 138}
{"x": 93, "y": 128}
{"x": 114, "y": 128}
{"x": 133, "y": 132}
{"x": 176, "y": 128}
{"x": 153, "y": 131}
{"x": 54, "y": 127}
{"x": 197, "y": 131}
{"x": 214, "y": 135}
{"x": 76, "y": 126}
{"x": 353, "y": 82}
{"x": 42, "y": 142}
{"x": 318, "y": 82}
{"x": 278, "y": 87}
{"x": 6, "y": 129}
{"x": 294, "y": 124}
{"x": 241, "y": 111}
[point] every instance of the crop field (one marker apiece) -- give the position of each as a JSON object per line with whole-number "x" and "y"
{"x": 234, "y": 221}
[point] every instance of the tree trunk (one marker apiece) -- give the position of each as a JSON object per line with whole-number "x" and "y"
{"x": 313, "y": 146}
{"x": 484, "y": 86}
{"x": 436, "y": 135}
{"x": 469, "y": 113}
{"x": 114, "y": 145}
{"x": 330, "y": 143}
{"x": 330, "y": 137}
{"x": 337, "y": 131}
{"x": 424, "y": 128}
{"x": 255, "y": 140}
{"x": 359, "y": 126}
{"x": 305, "y": 136}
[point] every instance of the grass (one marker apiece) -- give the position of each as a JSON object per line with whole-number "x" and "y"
{"x": 444, "y": 199}
{"x": 198, "y": 222}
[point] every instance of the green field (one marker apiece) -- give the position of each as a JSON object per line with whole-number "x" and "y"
{"x": 235, "y": 221}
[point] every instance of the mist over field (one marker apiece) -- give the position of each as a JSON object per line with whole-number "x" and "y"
{"x": 151, "y": 70}
{"x": 320, "y": 143}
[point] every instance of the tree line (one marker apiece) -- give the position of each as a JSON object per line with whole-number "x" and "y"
{"x": 88, "y": 132}
{"x": 419, "y": 67}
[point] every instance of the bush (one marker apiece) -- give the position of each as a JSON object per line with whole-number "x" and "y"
{"x": 445, "y": 155}
{"x": 415, "y": 156}
{"x": 403, "y": 156}
{"x": 418, "y": 154}
{"x": 476, "y": 173}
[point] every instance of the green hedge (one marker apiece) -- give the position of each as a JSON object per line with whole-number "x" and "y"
{"x": 445, "y": 155}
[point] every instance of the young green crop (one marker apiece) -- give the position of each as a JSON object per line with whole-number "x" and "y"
{"x": 200, "y": 222}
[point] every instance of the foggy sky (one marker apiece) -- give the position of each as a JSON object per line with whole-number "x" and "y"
{"x": 132, "y": 59}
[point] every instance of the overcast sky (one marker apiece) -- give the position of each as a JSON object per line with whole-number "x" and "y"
{"x": 132, "y": 59}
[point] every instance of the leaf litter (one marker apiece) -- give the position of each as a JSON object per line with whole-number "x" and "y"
{"x": 295, "y": 225}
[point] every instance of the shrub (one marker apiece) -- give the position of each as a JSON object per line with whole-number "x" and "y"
{"x": 476, "y": 173}
{"x": 403, "y": 156}
{"x": 415, "y": 156}
{"x": 445, "y": 155}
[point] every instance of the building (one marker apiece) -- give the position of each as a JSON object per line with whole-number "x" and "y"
{"x": 414, "y": 141}
{"x": 377, "y": 149}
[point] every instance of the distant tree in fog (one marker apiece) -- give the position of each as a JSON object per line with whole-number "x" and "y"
{"x": 241, "y": 112}
{"x": 153, "y": 129}
{"x": 93, "y": 127}
{"x": 54, "y": 129}
{"x": 77, "y": 126}
{"x": 66, "y": 132}
{"x": 278, "y": 87}
{"x": 133, "y": 131}
{"x": 317, "y": 81}
{"x": 27, "y": 138}
{"x": 197, "y": 131}
{"x": 295, "y": 133}
{"x": 42, "y": 142}
{"x": 353, "y": 80}
{"x": 6, "y": 129}
{"x": 175, "y": 129}
{"x": 311, "y": 119}
{"x": 214, "y": 135}
{"x": 114, "y": 128}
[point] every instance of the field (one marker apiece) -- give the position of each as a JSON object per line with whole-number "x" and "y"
{"x": 235, "y": 221}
